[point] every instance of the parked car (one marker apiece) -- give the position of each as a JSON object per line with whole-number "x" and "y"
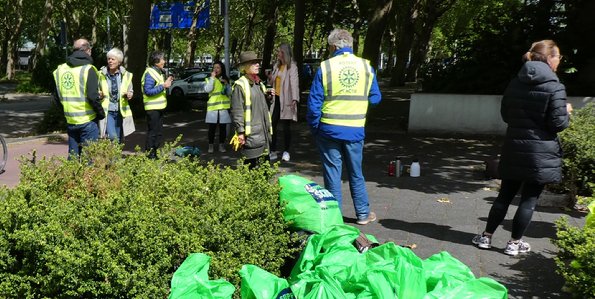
{"x": 193, "y": 86}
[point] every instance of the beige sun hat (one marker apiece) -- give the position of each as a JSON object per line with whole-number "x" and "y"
{"x": 248, "y": 56}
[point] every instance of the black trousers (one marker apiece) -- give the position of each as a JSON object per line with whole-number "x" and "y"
{"x": 286, "y": 127}
{"x": 529, "y": 194}
{"x": 254, "y": 162}
{"x": 154, "y": 131}
{"x": 222, "y": 133}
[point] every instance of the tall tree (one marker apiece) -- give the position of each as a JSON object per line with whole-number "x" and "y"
{"x": 191, "y": 36}
{"x": 298, "y": 36}
{"x": 16, "y": 26}
{"x": 42, "y": 36}
{"x": 379, "y": 15}
{"x": 272, "y": 15}
{"x": 428, "y": 16}
{"x": 137, "y": 39}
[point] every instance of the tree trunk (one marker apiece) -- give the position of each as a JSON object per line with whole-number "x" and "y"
{"x": 13, "y": 39}
{"x": 94, "y": 26}
{"x": 406, "y": 15}
{"x": 428, "y": 16}
{"x": 246, "y": 43}
{"x": 4, "y": 57}
{"x": 46, "y": 24}
{"x": 269, "y": 39}
{"x": 298, "y": 38}
{"x": 191, "y": 37}
{"x": 376, "y": 26}
{"x": 137, "y": 40}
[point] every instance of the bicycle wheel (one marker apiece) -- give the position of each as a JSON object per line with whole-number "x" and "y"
{"x": 3, "y": 154}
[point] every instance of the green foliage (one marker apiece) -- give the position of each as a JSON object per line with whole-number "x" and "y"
{"x": 578, "y": 144}
{"x": 26, "y": 86}
{"x": 118, "y": 227}
{"x": 575, "y": 260}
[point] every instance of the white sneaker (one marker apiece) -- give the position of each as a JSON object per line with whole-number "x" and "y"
{"x": 273, "y": 156}
{"x": 211, "y": 149}
{"x": 285, "y": 157}
{"x": 222, "y": 148}
{"x": 514, "y": 248}
{"x": 482, "y": 241}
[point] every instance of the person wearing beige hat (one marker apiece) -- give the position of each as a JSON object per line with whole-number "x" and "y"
{"x": 251, "y": 118}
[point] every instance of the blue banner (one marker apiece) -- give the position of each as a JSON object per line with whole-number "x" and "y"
{"x": 177, "y": 15}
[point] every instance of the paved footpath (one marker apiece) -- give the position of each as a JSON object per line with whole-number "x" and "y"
{"x": 441, "y": 210}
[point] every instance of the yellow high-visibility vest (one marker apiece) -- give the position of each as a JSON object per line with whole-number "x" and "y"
{"x": 244, "y": 83}
{"x": 72, "y": 91}
{"x": 158, "y": 101}
{"x": 346, "y": 81}
{"x": 218, "y": 100}
{"x": 126, "y": 81}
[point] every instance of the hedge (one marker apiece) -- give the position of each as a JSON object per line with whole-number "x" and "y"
{"x": 118, "y": 227}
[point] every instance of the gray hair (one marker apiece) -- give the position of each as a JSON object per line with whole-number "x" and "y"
{"x": 117, "y": 54}
{"x": 287, "y": 57}
{"x": 340, "y": 38}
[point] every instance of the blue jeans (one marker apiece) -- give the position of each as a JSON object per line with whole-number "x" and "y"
{"x": 114, "y": 126}
{"x": 79, "y": 136}
{"x": 333, "y": 153}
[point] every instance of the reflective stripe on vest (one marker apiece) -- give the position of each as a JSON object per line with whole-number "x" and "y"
{"x": 124, "y": 85}
{"x": 346, "y": 80}
{"x": 217, "y": 98}
{"x": 158, "y": 101}
{"x": 244, "y": 83}
{"x": 72, "y": 91}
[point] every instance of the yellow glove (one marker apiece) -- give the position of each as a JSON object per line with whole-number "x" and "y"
{"x": 235, "y": 142}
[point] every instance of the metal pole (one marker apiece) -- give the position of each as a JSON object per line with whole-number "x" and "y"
{"x": 226, "y": 40}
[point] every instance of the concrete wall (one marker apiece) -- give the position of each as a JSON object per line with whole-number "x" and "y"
{"x": 466, "y": 114}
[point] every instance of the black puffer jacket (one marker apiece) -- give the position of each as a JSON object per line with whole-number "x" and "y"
{"x": 534, "y": 107}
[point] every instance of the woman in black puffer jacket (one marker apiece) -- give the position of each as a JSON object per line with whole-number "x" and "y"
{"x": 535, "y": 109}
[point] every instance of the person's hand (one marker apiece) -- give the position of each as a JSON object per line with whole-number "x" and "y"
{"x": 101, "y": 94}
{"x": 294, "y": 105}
{"x": 129, "y": 95}
{"x": 242, "y": 138}
{"x": 271, "y": 92}
{"x": 569, "y": 108}
{"x": 168, "y": 82}
{"x": 213, "y": 74}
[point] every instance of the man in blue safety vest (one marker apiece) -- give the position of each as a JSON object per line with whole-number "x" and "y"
{"x": 343, "y": 87}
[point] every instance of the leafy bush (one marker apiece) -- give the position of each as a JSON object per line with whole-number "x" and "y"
{"x": 578, "y": 144}
{"x": 118, "y": 227}
{"x": 575, "y": 260}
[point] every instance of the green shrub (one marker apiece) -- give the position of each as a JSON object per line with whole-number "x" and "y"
{"x": 118, "y": 227}
{"x": 576, "y": 258}
{"x": 578, "y": 144}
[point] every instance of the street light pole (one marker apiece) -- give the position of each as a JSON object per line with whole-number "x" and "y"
{"x": 226, "y": 39}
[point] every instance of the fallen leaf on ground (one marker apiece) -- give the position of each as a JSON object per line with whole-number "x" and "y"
{"x": 444, "y": 200}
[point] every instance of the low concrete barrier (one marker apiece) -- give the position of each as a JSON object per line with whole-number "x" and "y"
{"x": 465, "y": 114}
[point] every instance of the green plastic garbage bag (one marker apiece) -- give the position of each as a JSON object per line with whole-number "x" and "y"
{"x": 318, "y": 284}
{"x": 308, "y": 206}
{"x": 191, "y": 281}
{"x": 484, "y": 288}
{"x": 260, "y": 284}
{"x": 590, "y": 220}
{"x": 406, "y": 276}
{"x": 441, "y": 264}
{"x": 320, "y": 243}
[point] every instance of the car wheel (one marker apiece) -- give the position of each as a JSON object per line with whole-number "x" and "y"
{"x": 177, "y": 92}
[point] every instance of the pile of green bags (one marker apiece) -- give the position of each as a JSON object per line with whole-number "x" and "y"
{"x": 331, "y": 267}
